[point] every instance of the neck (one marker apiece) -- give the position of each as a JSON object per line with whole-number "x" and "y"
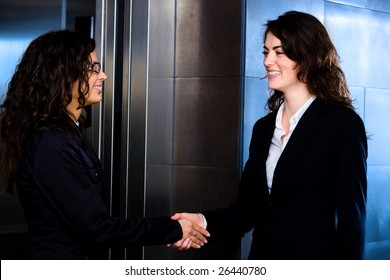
{"x": 74, "y": 112}
{"x": 295, "y": 100}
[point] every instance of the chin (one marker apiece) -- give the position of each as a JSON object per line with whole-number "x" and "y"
{"x": 95, "y": 99}
{"x": 91, "y": 102}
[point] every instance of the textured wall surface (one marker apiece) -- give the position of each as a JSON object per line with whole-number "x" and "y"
{"x": 194, "y": 112}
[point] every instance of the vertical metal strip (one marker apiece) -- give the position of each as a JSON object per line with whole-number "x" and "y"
{"x": 146, "y": 112}
{"x": 125, "y": 142}
{"x": 147, "y": 22}
{"x": 103, "y": 115}
{"x": 96, "y": 111}
{"x": 103, "y": 119}
{"x": 130, "y": 79}
{"x": 137, "y": 106}
{"x": 126, "y": 99}
{"x": 109, "y": 92}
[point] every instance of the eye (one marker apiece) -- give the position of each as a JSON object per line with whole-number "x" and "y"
{"x": 265, "y": 53}
{"x": 95, "y": 67}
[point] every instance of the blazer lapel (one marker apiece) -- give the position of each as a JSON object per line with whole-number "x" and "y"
{"x": 306, "y": 129}
{"x": 267, "y": 137}
{"x": 259, "y": 149}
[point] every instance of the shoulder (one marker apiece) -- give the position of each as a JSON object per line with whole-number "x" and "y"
{"x": 56, "y": 139}
{"x": 336, "y": 115}
{"x": 268, "y": 119}
{"x": 342, "y": 116}
{"x": 345, "y": 122}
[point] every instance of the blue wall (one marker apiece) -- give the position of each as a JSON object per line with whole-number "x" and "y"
{"x": 359, "y": 29}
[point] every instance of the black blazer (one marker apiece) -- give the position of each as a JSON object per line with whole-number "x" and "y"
{"x": 59, "y": 185}
{"x": 317, "y": 206}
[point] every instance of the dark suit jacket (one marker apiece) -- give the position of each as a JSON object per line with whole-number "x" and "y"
{"x": 316, "y": 209}
{"x": 59, "y": 185}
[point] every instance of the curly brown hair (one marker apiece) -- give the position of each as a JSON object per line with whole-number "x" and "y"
{"x": 40, "y": 91}
{"x": 306, "y": 41}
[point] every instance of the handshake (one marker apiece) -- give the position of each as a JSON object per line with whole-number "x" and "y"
{"x": 194, "y": 233}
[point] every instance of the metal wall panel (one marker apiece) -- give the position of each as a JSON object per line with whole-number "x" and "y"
{"x": 207, "y": 112}
{"x": 136, "y": 116}
{"x": 123, "y": 48}
{"x": 104, "y": 117}
{"x": 180, "y": 111}
{"x": 123, "y": 39}
{"x": 208, "y": 38}
{"x": 160, "y": 112}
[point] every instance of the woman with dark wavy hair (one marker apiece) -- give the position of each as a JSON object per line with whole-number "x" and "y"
{"x": 303, "y": 189}
{"x": 58, "y": 176}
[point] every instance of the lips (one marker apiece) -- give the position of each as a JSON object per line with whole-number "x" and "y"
{"x": 273, "y": 74}
{"x": 98, "y": 87}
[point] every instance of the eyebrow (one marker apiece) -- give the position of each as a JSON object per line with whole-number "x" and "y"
{"x": 274, "y": 48}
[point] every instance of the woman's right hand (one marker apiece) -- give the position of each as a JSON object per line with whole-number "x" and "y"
{"x": 194, "y": 236}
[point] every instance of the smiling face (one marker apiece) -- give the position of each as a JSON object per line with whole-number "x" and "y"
{"x": 95, "y": 83}
{"x": 281, "y": 70}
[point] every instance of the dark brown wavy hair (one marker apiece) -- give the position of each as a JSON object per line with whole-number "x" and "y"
{"x": 39, "y": 92}
{"x": 306, "y": 41}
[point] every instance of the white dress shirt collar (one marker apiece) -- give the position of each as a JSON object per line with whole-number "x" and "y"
{"x": 277, "y": 146}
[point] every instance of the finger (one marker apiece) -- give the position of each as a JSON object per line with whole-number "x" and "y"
{"x": 178, "y": 243}
{"x": 195, "y": 245}
{"x": 201, "y": 238}
{"x": 189, "y": 245}
{"x": 186, "y": 244}
{"x": 201, "y": 230}
{"x": 176, "y": 217}
{"x": 198, "y": 239}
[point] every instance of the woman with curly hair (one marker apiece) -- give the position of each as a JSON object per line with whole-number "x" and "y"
{"x": 58, "y": 176}
{"x": 303, "y": 189}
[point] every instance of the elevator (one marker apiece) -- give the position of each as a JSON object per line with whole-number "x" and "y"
{"x": 163, "y": 143}
{"x": 168, "y": 128}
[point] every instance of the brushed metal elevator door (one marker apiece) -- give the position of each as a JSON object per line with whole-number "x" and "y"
{"x": 120, "y": 121}
{"x": 168, "y": 129}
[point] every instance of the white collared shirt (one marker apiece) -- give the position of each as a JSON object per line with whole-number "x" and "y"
{"x": 277, "y": 145}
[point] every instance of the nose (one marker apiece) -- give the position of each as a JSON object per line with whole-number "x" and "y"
{"x": 268, "y": 60}
{"x": 102, "y": 75}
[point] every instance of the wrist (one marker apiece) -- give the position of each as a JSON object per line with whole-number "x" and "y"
{"x": 203, "y": 218}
